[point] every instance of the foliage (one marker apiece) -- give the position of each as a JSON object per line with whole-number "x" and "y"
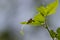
{"x": 58, "y": 34}
{"x": 40, "y": 18}
{"x": 49, "y": 9}
{"x": 52, "y": 33}
{"x": 42, "y": 13}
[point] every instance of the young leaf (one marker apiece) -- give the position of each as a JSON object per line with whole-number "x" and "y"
{"x": 42, "y": 10}
{"x": 39, "y": 17}
{"x": 37, "y": 20}
{"x": 49, "y": 9}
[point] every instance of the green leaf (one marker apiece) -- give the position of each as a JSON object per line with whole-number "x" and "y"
{"x": 42, "y": 10}
{"x": 58, "y": 36}
{"x": 37, "y": 20}
{"x": 49, "y": 9}
{"x": 58, "y": 33}
{"x": 39, "y": 17}
{"x": 37, "y": 23}
{"x": 58, "y": 30}
{"x": 52, "y": 33}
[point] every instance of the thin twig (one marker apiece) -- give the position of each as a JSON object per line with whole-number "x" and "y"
{"x": 46, "y": 26}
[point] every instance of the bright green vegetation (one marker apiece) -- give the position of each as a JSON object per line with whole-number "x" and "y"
{"x": 40, "y": 18}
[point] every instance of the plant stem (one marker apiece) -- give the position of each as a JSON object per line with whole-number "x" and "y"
{"x": 46, "y": 26}
{"x": 48, "y": 31}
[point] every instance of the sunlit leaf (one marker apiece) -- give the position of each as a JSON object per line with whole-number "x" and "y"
{"x": 49, "y": 9}
{"x": 39, "y": 19}
{"x": 42, "y": 10}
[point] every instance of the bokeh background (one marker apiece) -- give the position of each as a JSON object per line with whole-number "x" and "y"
{"x": 12, "y": 12}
